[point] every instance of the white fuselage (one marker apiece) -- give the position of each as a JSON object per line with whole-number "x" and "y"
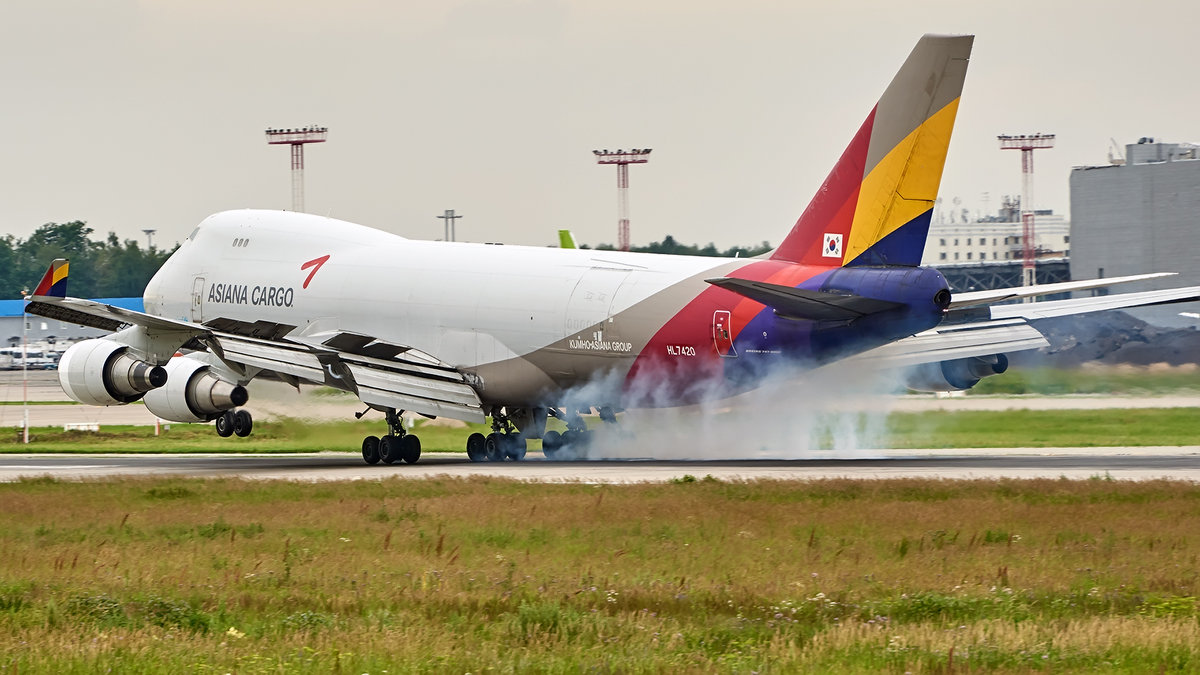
{"x": 467, "y": 304}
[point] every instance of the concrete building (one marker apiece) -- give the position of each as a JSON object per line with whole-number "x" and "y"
{"x": 990, "y": 242}
{"x": 1140, "y": 215}
{"x": 997, "y": 238}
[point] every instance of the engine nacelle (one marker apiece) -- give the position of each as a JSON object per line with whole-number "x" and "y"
{"x": 194, "y": 393}
{"x": 956, "y": 375}
{"x": 103, "y": 372}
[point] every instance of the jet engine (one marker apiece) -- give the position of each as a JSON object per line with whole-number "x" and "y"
{"x": 194, "y": 393}
{"x": 103, "y": 372}
{"x": 956, "y": 375}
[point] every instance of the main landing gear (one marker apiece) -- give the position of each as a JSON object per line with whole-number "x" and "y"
{"x": 233, "y": 422}
{"x": 572, "y": 442}
{"x": 397, "y": 446}
{"x": 505, "y": 442}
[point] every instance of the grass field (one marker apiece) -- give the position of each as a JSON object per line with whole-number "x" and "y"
{"x": 694, "y": 576}
{"x": 968, "y": 429}
{"x": 1112, "y": 380}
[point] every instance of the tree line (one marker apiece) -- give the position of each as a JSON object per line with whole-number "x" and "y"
{"x": 670, "y": 246}
{"x": 109, "y": 268}
{"x": 112, "y": 268}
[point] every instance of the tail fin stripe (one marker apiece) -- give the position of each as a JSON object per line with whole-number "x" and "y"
{"x": 903, "y": 184}
{"x": 889, "y": 175}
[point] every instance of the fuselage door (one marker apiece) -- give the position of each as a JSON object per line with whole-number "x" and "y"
{"x": 722, "y": 333}
{"x": 197, "y": 300}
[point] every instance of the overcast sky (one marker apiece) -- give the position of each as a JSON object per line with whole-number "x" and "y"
{"x": 135, "y": 114}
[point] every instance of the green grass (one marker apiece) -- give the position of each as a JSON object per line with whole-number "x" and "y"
{"x": 1045, "y": 428}
{"x": 1103, "y": 380}
{"x": 484, "y": 575}
{"x": 967, "y": 429}
{"x": 287, "y": 435}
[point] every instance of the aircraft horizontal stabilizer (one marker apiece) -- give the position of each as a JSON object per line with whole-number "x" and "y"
{"x": 801, "y": 303}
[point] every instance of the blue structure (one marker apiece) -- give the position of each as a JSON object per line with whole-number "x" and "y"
{"x": 41, "y": 329}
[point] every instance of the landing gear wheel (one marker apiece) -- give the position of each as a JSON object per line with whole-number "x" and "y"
{"x": 410, "y": 448}
{"x": 389, "y": 449}
{"x": 551, "y": 442}
{"x": 514, "y": 447}
{"x": 243, "y": 423}
{"x": 225, "y": 424}
{"x": 493, "y": 447}
{"x": 477, "y": 447}
{"x": 370, "y": 449}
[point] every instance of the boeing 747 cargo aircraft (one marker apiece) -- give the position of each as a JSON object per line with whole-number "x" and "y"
{"x": 519, "y": 334}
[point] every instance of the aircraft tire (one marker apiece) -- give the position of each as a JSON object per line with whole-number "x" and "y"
{"x": 493, "y": 445}
{"x": 477, "y": 447}
{"x": 370, "y": 449}
{"x": 225, "y": 424}
{"x": 551, "y": 442}
{"x": 410, "y": 449}
{"x": 389, "y": 449}
{"x": 514, "y": 447}
{"x": 243, "y": 423}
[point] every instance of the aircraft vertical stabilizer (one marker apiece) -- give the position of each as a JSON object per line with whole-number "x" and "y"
{"x": 875, "y": 206}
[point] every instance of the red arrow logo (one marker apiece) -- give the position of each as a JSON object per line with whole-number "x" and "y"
{"x": 315, "y": 264}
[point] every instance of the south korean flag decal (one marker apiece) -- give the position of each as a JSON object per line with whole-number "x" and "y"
{"x": 832, "y": 247}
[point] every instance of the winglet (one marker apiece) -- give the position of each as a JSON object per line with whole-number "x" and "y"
{"x": 54, "y": 282}
{"x": 566, "y": 239}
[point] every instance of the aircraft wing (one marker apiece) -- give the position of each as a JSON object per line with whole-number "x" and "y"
{"x": 105, "y": 317}
{"x": 1053, "y": 308}
{"x": 999, "y": 329}
{"x": 406, "y": 380}
{"x": 948, "y": 343}
{"x": 973, "y": 298}
{"x": 380, "y": 374}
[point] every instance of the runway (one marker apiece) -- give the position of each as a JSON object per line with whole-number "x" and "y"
{"x": 272, "y": 401}
{"x": 1178, "y": 463}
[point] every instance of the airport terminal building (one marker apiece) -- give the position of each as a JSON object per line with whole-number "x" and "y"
{"x": 1140, "y": 215}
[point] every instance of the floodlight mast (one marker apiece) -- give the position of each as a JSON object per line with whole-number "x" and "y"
{"x": 1027, "y": 143}
{"x": 622, "y": 159}
{"x": 297, "y": 138}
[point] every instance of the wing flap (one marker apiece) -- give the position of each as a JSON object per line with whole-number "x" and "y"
{"x": 801, "y": 303}
{"x": 427, "y": 396}
{"x": 956, "y": 342}
{"x": 395, "y": 383}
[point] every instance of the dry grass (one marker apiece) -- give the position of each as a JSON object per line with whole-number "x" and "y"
{"x": 471, "y": 575}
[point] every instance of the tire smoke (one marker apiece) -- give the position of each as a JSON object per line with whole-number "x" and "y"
{"x": 836, "y": 411}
